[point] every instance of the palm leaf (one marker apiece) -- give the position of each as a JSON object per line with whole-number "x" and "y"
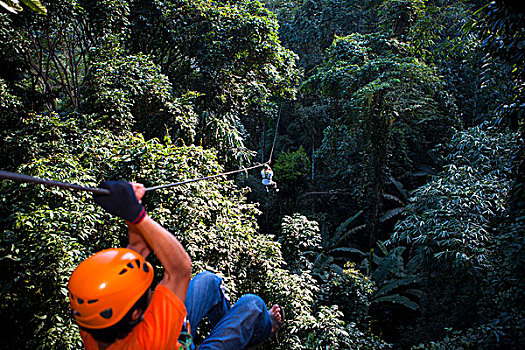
{"x": 11, "y": 5}
{"x": 336, "y": 268}
{"x": 348, "y": 250}
{"x": 322, "y": 261}
{"x": 386, "y": 265}
{"x": 36, "y": 6}
{"x": 399, "y": 187}
{"x": 348, "y": 233}
{"x": 398, "y": 299}
{"x": 391, "y": 263}
{"x": 345, "y": 224}
{"x": 396, "y": 284}
{"x": 382, "y": 246}
{"x": 413, "y": 264}
{"x": 393, "y": 198}
{"x": 391, "y": 213}
{"x": 415, "y": 292}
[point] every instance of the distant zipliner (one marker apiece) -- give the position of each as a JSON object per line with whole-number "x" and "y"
{"x": 267, "y": 175}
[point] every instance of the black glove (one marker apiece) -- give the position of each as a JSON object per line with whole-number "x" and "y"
{"x": 121, "y": 201}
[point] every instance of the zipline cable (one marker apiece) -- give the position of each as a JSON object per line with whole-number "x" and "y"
{"x": 31, "y": 179}
{"x": 203, "y": 178}
{"x": 274, "y": 137}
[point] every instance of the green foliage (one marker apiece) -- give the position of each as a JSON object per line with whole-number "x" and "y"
{"x": 352, "y": 291}
{"x": 329, "y": 331}
{"x": 395, "y": 279}
{"x": 396, "y": 17}
{"x": 129, "y": 92}
{"x": 310, "y": 329}
{"x": 292, "y": 172}
{"x": 449, "y": 227}
{"x": 312, "y": 26}
{"x": 299, "y": 239}
{"x": 343, "y": 231}
{"x": 50, "y": 57}
{"x": 11, "y": 45}
{"x": 389, "y": 111}
{"x": 487, "y": 336}
{"x": 136, "y": 51}
{"x": 229, "y": 54}
{"x": 50, "y": 230}
{"x": 481, "y": 82}
{"x": 8, "y": 101}
{"x": 106, "y": 17}
{"x": 297, "y": 294}
{"x": 389, "y": 291}
{"x": 501, "y": 322}
{"x": 447, "y": 219}
{"x": 500, "y": 26}
{"x": 315, "y": 328}
{"x": 436, "y": 31}
{"x": 46, "y": 233}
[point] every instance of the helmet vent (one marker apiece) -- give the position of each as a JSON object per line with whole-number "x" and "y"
{"x": 130, "y": 265}
{"x": 122, "y": 272}
{"x": 137, "y": 261}
{"x": 76, "y": 313}
{"x": 145, "y": 267}
{"x": 92, "y": 301}
{"x": 80, "y": 301}
{"x": 107, "y": 313}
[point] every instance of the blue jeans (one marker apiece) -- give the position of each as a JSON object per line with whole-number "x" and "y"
{"x": 247, "y": 323}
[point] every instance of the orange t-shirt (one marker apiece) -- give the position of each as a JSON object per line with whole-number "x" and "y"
{"x": 159, "y": 329}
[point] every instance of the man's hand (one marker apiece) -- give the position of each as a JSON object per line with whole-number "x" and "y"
{"x": 122, "y": 201}
{"x": 139, "y": 190}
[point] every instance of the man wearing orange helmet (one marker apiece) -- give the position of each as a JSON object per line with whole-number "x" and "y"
{"x": 111, "y": 302}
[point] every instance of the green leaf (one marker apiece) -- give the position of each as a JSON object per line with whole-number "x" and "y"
{"x": 341, "y": 228}
{"x": 36, "y": 6}
{"x": 399, "y": 187}
{"x": 11, "y": 5}
{"x": 388, "y": 287}
{"x": 391, "y": 213}
{"x": 349, "y": 250}
{"x": 398, "y": 299}
{"x": 393, "y": 198}
{"x": 348, "y": 233}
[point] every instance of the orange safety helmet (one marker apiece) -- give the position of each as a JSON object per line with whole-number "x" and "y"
{"x": 105, "y": 286}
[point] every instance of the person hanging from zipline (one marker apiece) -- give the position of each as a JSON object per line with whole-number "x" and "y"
{"x": 267, "y": 175}
{"x": 110, "y": 296}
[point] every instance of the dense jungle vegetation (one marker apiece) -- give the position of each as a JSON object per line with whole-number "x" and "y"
{"x": 399, "y": 155}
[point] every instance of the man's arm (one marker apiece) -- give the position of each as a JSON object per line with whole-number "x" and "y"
{"x": 176, "y": 262}
{"x": 136, "y": 241}
{"x": 123, "y": 202}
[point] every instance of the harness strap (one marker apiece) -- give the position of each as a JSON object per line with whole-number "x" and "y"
{"x": 185, "y": 338}
{"x": 266, "y": 174}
